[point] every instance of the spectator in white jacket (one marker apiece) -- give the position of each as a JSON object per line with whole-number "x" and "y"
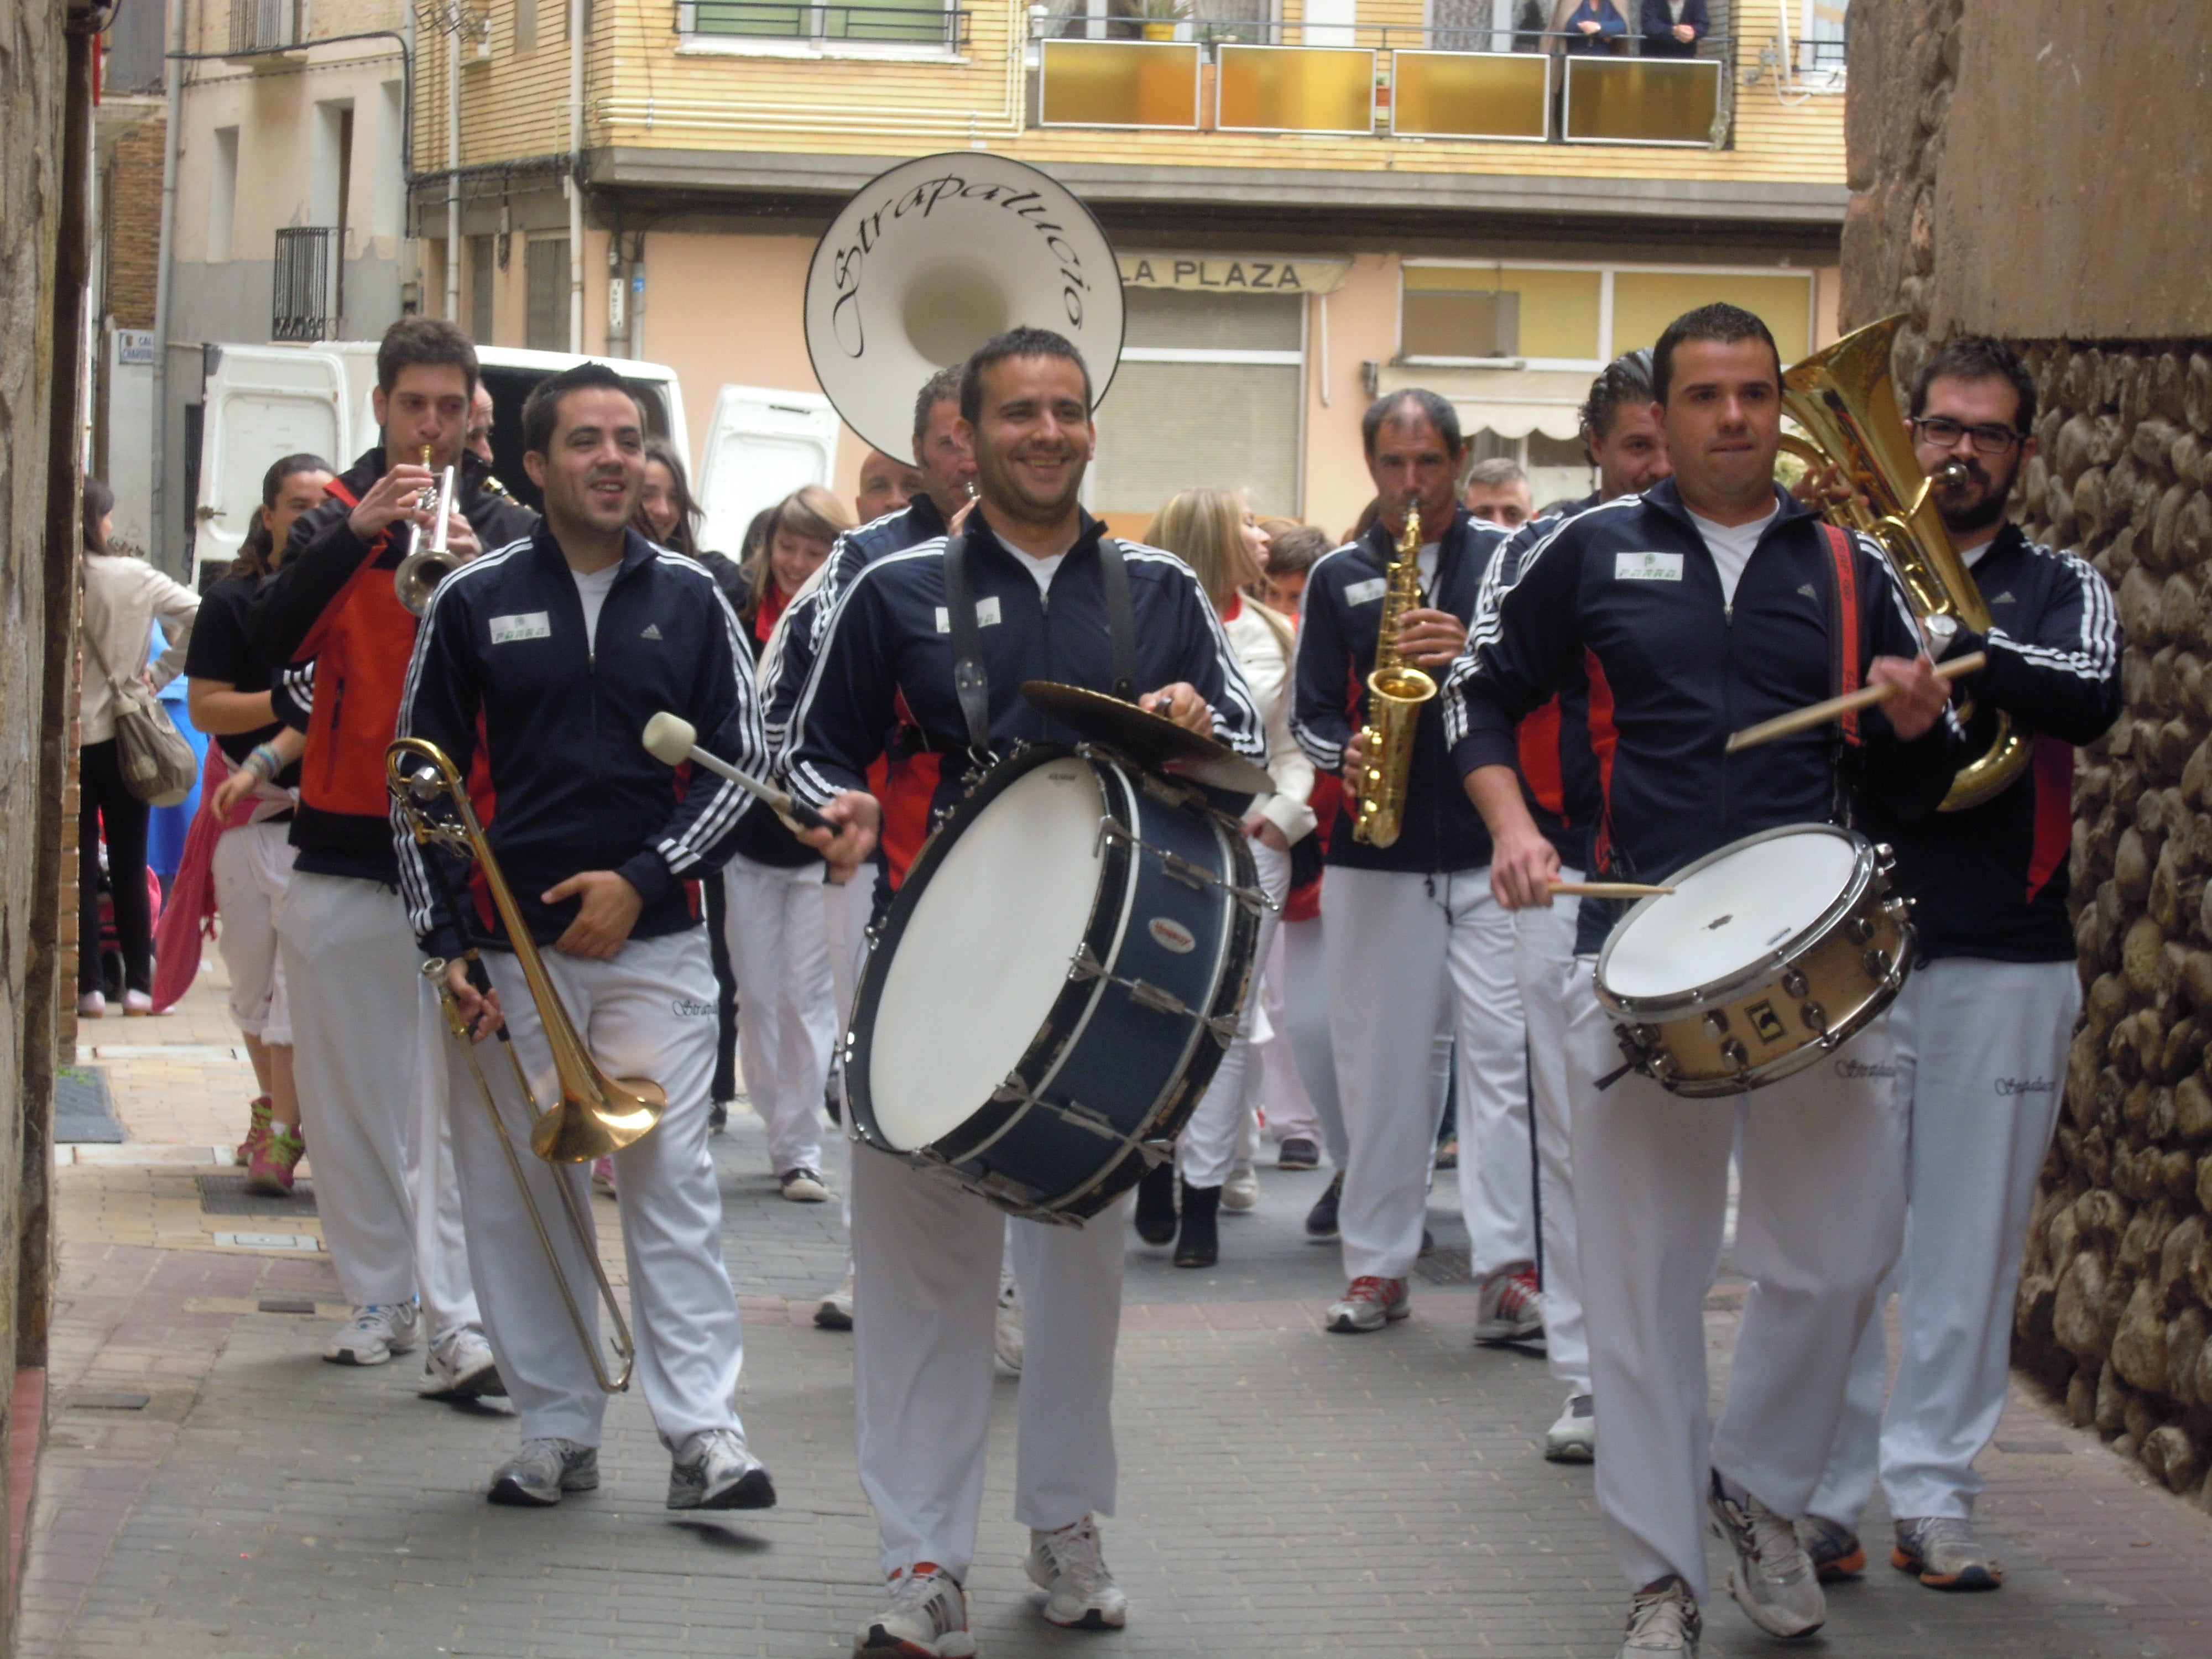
{"x": 123, "y": 596}
{"x": 1213, "y": 532}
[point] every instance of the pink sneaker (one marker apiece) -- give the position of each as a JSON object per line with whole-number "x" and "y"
{"x": 257, "y": 1131}
{"x": 603, "y": 1176}
{"x": 274, "y": 1161}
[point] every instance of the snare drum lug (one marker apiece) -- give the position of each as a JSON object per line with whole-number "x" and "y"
{"x": 1087, "y": 964}
{"x": 1859, "y": 929}
{"x": 1897, "y": 910}
{"x": 1716, "y": 1021}
{"x": 1793, "y": 983}
{"x": 1885, "y": 857}
{"x": 1813, "y": 1016}
{"x": 1734, "y": 1052}
{"x": 1876, "y": 963}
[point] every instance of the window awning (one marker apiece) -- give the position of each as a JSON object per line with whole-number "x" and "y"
{"x": 1510, "y": 402}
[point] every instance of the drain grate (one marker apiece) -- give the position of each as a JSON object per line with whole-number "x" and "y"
{"x": 226, "y": 1194}
{"x": 1446, "y": 1265}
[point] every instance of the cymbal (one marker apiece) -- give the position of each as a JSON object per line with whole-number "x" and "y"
{"x": 1149, "y": 739}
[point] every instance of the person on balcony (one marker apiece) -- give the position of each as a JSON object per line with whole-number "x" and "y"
{"x": 1589, "y": 26}
{"x": 1672, "y": 28}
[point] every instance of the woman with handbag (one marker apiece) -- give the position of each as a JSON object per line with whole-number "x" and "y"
{"x": 123, "y": 596}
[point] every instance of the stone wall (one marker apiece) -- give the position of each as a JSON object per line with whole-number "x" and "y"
{"x": 2037, "y": 169}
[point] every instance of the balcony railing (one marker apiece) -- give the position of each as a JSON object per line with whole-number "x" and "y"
{"x": 263, "y": 25}
{"x": 306, "y": 296}
{"x": 1263, "y": 76}
{"x": 940, "y": 25}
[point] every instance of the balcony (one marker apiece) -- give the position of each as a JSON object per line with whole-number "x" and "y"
{"x": 1265, "y": 77}
{"x": 710, "y": 25}
{"x": 307, "y": 295}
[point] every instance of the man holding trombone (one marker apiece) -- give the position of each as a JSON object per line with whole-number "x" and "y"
{"x": 536, "y": 671}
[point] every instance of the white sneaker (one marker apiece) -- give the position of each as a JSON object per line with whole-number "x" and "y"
{"x": 835, "y": 1311}
{"x": 1771, "y": 1577}
{"x": 924, "y": 1616}
{"x": 374, "y": 1333}
{"x": 1662, "y": 1619}
{"x": 1368, "y": 1305}
{"x": 541, "y": 1471}
{"x": 803, "y": 1186}
{"x": 1008, "y": 1339}
{"x": 460, "y": 1366}
{"x": 1573, "y": 1439}
{"x": 1069, "y": 1565}
{"x": 1507, "y": 1307}
{"x": 712, "y": 1470}
{"x": 93, "y": 1004}
{"x": 1241, "y": 1190}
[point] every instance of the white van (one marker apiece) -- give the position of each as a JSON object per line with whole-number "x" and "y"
{"x": 265, "y": 402}
{"x": 761, "y": 445}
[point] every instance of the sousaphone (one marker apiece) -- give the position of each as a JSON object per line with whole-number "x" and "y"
{"x": 929, "y": 260}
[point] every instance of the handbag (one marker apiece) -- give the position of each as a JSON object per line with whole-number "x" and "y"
{"x": 157, "y": 763}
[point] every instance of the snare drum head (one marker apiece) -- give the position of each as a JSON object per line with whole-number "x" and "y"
{"x": 1730, "y": 914}
{"x": 985, "y": 953}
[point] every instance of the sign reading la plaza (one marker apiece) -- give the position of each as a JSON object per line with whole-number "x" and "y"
{"x": 1218, "y": 273}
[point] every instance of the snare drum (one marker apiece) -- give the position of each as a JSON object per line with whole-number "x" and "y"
{"x": 1056, "y": 982}
{"x": 1768, "y": 954}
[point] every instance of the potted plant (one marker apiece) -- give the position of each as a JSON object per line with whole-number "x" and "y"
{"x": 1160, "y": 18}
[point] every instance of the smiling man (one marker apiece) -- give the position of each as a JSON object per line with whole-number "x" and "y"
{"x": 926, "y": 1252}
{"x": 1705, "y": 604}
{"x": 543, "y": 662}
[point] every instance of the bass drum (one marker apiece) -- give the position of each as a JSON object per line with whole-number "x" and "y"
{"x": 1056, "y": 982}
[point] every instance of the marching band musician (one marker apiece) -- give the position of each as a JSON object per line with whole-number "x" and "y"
{"x": 1420, "y": 953}
{"x": 1628, "y": 451}
{"x": 358, "y": 1009}
{"x": 1708, "y": 601}
{"x": 1981, "y": 1026}
{"x": 927, "y": 1253}
{"x": 558, "y": 649}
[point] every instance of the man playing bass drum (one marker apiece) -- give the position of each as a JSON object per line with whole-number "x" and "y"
{"x": 1708, "y": 603}
{"x": 926, "y": 1253}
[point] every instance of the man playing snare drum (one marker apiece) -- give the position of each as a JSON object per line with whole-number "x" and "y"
{"x": 1708, "y": 603}
{"x": 926, "y": 1253}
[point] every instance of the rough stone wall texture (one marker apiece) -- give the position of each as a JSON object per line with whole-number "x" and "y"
{"x": 2038, "y": 170}
{"x": 130, "y": 224}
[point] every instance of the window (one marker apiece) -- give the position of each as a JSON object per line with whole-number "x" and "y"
{"x": 1210, "y": 391}
{"x": 222, "y": 195}
{"x": 546, "y": 262}
{"x": 481, "y": 266}
{"x": 1462, "y": 312}
{"x": 389, "y": 199}
{"x": 526, "y": 25}
{"x": 1645, "y": 301}
{"x": 910, "y": 22}
{"x": 1558, "y": 469}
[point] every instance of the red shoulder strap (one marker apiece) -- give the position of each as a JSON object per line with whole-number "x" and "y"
{"x": 337, "y": 487}
{"x": 1844, "y": 637}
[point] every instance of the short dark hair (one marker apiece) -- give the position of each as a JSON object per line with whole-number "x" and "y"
{"x": 943, "y": 387}
{"x": 1626, "y": 380}
{"x": 413, "y": 340}
{"x": 1293, "y": 549}
{"x": 1977, "y": 358}
{"x": 99, "y": 503}
{"x": 1497, "y": 472}
{"x": 541, "y": 410}
{"x": 1721, "y": 323}
{"x": 1014, "y": 343}
{"x": 1386, "y": 410}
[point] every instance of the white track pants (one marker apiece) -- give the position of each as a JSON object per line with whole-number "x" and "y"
{"x": 928, "y": 1256}
{"x": 1981, "y": 1062}
{"x": 786, "y": 1002}
{"x": 1220, "y": 1131}
{"x": 1415, "y": 961}
{"x": 683, "y": 1313}
{"x": 1543, "y": 962}
{"x": 366, "y": 1100}
{"x": 252, "y": 868}
{"x": 1301, "y": 1093}
{"x": 1818, "y": 1224}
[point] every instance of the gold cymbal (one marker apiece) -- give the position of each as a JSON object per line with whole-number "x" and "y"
{"x": 1149, "y": 739}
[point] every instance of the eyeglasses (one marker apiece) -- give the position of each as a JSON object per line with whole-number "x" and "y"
{"x": 1943, "y": 433}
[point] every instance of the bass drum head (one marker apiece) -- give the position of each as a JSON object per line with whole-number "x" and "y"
{"x": 1729, "y": 912}
{"x": 985, "y": 953}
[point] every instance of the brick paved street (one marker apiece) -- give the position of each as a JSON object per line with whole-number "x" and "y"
{"x": 211, "y": 1487}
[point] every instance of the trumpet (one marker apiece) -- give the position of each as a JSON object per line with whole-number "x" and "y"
{"x": 424, "y": 567}
{"x": 596, "y": 1115}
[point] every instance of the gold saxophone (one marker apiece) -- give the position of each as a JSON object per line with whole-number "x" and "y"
{"x": 1395, "y": 691}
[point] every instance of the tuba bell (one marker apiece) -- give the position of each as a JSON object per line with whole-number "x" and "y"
{"x": 1844, "y": 398}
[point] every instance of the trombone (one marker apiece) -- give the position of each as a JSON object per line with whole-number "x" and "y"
{"x": 596, "y": 1115}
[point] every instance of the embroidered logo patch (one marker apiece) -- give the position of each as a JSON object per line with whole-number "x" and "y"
{"x": 986, "y": 613}
{"x": 1366, "y": 592}
{"x": 1647, "y": 567}
{"x": 531, "y": 625}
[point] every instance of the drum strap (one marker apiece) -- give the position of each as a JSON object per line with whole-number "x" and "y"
{"x": 1844, "y": 636}
{"x": 970, "y": 681}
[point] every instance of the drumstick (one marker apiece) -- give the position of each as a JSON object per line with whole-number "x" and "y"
{"x": 1820, "y": 713}
{"x": 673, "y": 739}
{"x": 1605, "y": 889}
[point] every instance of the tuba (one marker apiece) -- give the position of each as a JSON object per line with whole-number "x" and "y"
{"x": 925, "y": 262}
{"x": 1846, "y": 402}
{"x": 1395, "y": 691}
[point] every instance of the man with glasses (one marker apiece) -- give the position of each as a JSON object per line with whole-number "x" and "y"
{"x": 1981, "y": 1026}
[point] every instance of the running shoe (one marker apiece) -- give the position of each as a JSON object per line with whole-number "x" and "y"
{"x": 1662, "y": 1619}
{"x": 803, "y": 1186}
{"x": 1573, "y": 1439}
{"x": 1833, "y": 1547}
{"x": 1368, "y": 1305}
{"x": 374, "y": 1333}
{"x": 1296, "y": 1152}
{"x": 541, "y": 1471}
{"x": 924, "y": 1615}
{"x": 1942, "y": 1552}
{"x": 257, "y": 1130}
{"x": 835, "y": 1311}
{"x": 1241, "y": 1190}
{"x": 712, "y": 1470}
{"x": 1009, "y": 1337}
{"x": 1771, "y": 1577}
{"x": 1069, "y": 1565}
{"x": 268, "y": 1171}
{"x": 460, "y": 1366}
{"x": 1508, "y": 1309}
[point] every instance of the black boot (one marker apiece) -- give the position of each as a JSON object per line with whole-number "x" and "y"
{"x": 1321, "y": 1220}
{"x": 1200, "y": 1244}
{"x": 1156, "y": 1209}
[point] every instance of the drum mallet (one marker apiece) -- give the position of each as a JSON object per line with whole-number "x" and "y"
{"x": 673, "y": 740}
{"x": 1820, "y": 713}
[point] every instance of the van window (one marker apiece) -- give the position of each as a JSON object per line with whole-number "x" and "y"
{"x": 509, "y": 387}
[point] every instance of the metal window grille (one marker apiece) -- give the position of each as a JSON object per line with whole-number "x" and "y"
{"x": 546, "y": 271}
{"x": 924, "y": 22}
{"x": 306, "y": 291}
{"x": 263, "y": 25}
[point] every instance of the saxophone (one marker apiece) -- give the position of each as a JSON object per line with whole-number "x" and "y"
{"x": 1395, "y": 691}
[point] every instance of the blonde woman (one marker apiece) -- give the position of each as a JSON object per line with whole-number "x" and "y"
{"x": 1215, "y": 533}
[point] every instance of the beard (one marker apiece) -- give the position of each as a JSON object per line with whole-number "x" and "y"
{"x": 1985, "y": 508}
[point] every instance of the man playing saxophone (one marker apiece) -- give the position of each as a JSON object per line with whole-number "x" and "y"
{"x": 1418, "y": 951}
{"x": 558, "y": 649}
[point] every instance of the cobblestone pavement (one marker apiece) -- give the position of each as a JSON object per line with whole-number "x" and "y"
{"x": 212, "y": 1488}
